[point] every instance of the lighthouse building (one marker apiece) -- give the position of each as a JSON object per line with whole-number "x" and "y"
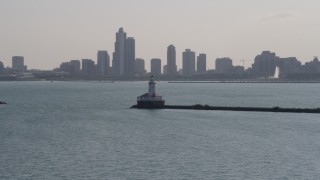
{"x": 150, "y": 99}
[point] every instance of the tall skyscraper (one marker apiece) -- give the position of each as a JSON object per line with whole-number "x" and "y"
{"x": 224, "y": 65}
{"x": 118, "y": 62}
{"x": 130, "y": 56}
{"x": 156, "y": 67}
{"x": 103, "y": 62}
{"x": 171, "y": 60}
{"x": 1, "y": 68}
{"x": 140, "y": 67}
{"x": 202, "y": 63}
{"x": 124, "y": 55}
{"x": 188, "y": 63}
{"x": 18, "y": 63}
{"x": 88, "y": 67}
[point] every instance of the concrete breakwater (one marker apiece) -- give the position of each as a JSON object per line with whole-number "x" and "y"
{"x": 222, "y": 108}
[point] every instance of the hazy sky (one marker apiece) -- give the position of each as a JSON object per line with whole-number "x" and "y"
{"x": 47, "y": 32}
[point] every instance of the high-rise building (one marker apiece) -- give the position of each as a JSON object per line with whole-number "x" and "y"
{"x": 312, "y": 67}
{"x": 88, "y": 67}
{"x": 118, "y": 62}
{"x": 140, "y": 67}
{"x": 265, "y": 64}
{"x": 103, "y": 62}
{"x": 124, "y": 55}
{"x": 201, "y": 63}
{"x": 165, "y": 69}
{"x": 224, "y": 65}
{"x": 76, "y": 70}
{"x": 1, "y": 68}
{"x": 188, "y": 63}
{"x": 65, "y": 67}
{"x": 288, "y": 66}
{"x": 18, "y": 63}
{"x": 156, "y": 67}
{"x": 130, "y": 57}
{"x": 72, "y": 67}
{"x": 171, "y": 60}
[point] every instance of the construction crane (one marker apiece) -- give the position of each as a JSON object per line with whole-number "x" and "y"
{"x": 243, "y": 62}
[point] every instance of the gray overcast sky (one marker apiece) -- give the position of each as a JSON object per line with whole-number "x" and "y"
{"x": 47, "y": 32}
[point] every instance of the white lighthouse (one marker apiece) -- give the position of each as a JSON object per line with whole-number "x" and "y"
{"x": 152, "y": 87}
{"x": 150, "y": 99}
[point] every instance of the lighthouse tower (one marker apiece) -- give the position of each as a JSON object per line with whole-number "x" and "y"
{"x": 152, "y": 87}
{"x": 150, "y": 100}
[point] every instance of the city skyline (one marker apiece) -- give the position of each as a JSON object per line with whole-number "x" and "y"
{"x": 267, "y": 65}
{"x": 48, "y": 32}
{"x": 125, "y": 64}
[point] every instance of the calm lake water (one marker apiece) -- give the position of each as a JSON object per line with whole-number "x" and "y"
{"x": 86, "y": 130}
